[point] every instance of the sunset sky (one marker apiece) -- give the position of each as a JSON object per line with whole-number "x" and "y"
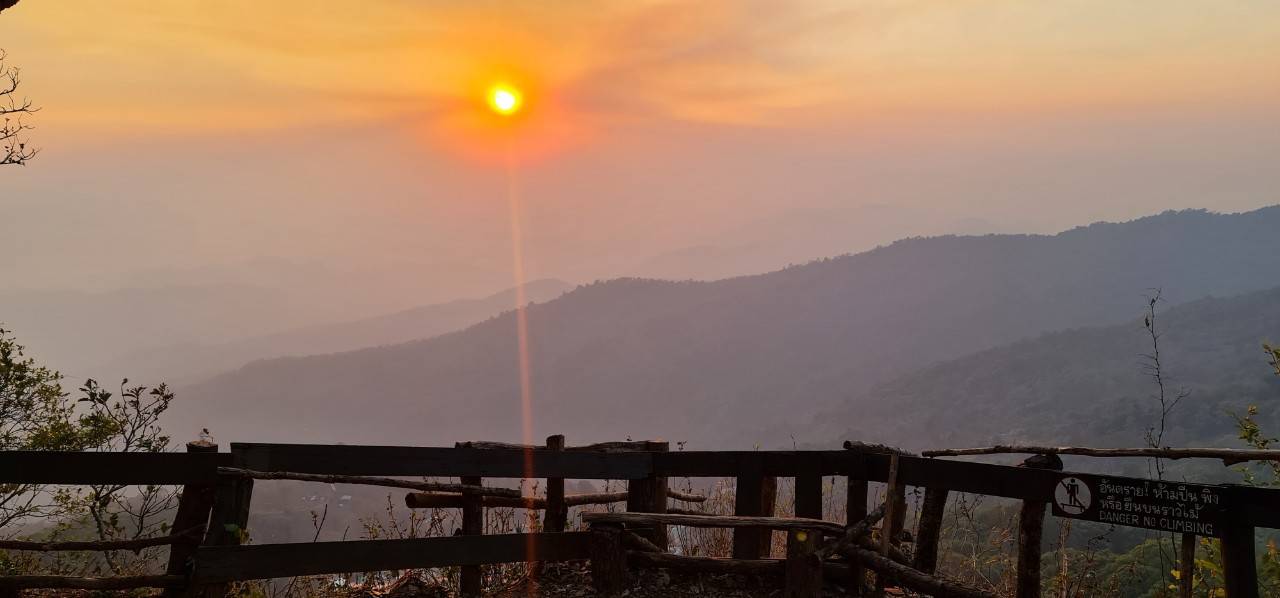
{"x": 658, "y": 138}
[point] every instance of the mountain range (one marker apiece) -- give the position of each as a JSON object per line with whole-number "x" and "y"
{"x": 742, "y": 361}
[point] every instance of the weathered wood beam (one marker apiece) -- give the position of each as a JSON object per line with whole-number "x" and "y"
{"x": 20, "y": 582}
{"x": 1227, "y": 455}
{"x": 852, "y": 533}
{"x": 879, "y": 449}
{"x": 609, "y": 575}
{"x": 557, "y": 515}
{"x": 706, "y": 564}
{"x": 938, "y": 587}
{"x": 368, "y": 481}
{"x": 629, "y": 446}
{"x": 443, "y": 462}
{"x": 470, "y": 580}
{"x": 1030, "y": 532}
{"x": 1187, "y": 566}
{"x": 191, "y": 536}
{"x": 803, "y": 569}
{"x": 929, "y": 529}
{"x": 635, "y": 541}
{"x": 195, "y": 504}
{"x": 855, "y": 511}
{"x": 265, "y": 561}
{"x": 57, "y": 467}
{"x": 439, "y": 500}
{"x": 732, "y": 521}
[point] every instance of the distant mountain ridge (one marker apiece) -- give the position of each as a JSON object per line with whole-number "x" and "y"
{"x": 197, "y": 361}
{"x": 736, "y": 361}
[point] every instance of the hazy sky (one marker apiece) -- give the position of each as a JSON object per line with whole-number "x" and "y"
{"x": 672, "y": 138}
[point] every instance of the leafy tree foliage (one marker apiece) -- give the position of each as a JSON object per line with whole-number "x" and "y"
{"x": 37, "y": 414}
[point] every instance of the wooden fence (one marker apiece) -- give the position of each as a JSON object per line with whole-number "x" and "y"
{"x": 208, "y": 552}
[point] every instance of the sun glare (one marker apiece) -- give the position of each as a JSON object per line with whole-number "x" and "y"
{"x": 504, "y": 100}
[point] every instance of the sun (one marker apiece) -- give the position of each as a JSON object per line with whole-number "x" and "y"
{"x": 504, "y": 99}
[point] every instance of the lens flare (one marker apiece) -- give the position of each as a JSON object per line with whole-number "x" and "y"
{"x": 504, "y": 100}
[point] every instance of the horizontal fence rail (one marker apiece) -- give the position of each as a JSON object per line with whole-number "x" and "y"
{"x": 441, "y": 462}
{"x": 50, "y": 467}
{"x": 233, "y": 563}
{"x": 217, "y": 490}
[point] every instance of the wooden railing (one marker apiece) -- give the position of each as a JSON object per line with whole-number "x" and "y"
{"x": 213, "y": 512}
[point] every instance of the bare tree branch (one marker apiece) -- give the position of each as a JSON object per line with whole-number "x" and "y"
{"x": 13, "y": 111}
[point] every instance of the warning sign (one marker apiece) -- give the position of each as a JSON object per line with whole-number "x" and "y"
{"x": 1072, "y": 496}
{"x": 1151, "y": 504}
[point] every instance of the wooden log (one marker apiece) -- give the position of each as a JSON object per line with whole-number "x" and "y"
{"x": 896, "y": 554}
{"x": 803, "y": 577}
{"x": 190, "y": 537}
{"x": 712, "y": 521}
{"x": 1030, "y": 532}
{"x": 31, "y": 582}
{"x": 929, "y": 529}
{"x": 265, "y": 561}
{"x": 634, "y": 541}
{"x": 437, "y": 500}
{"x": 849, "y": 535}
{"x": 1239, "y": 564}
{"x": 649, "y": 495}
{"x": 905, "y": 576}
{"x": 469, "y": 578}
{"x": 368, "y": 481}
{"x": 608, "y": 559}
{"x": 706, "y": 564}
{"x": 880, "y": 449}
{"x": 855, "y": 511}
{"x": 627, "y": 446}
{"x": 194, "y": 507}
{"x": 1227, "y": 455}
{"x": 747, "y": 504}
{"x": 557, "y": 514}
{"x": 1186, "y": 566}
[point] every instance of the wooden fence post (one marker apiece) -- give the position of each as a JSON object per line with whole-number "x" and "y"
{"x": 192, "y": 518}
{"x": 803, "y": 577}
{"x": 928, "y": 530}
{"x": 1186, "y": 565}
{"x": 608, "y": 559}
{"x": 1030, "y": 531}
{"x": 855, "y": 510}
{"x": 229, "y": 519}
{"x": 1239, "y": 563}
{"x": 747, "y": 500}
{"x": 557, "y": 514}
{"x": 809, "y": 492}
{"x": 768, "y": 508}
{"x": 649, "y": 495}
{"x": 469, "y": 577}
{"x": 895, "y": 512}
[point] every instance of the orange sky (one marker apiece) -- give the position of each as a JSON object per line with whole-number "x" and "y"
{"x": 656, "y": 126}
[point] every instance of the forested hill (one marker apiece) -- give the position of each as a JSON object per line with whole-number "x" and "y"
{"x": 719, "y": 363}
{"x": 1086, "y": 386}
